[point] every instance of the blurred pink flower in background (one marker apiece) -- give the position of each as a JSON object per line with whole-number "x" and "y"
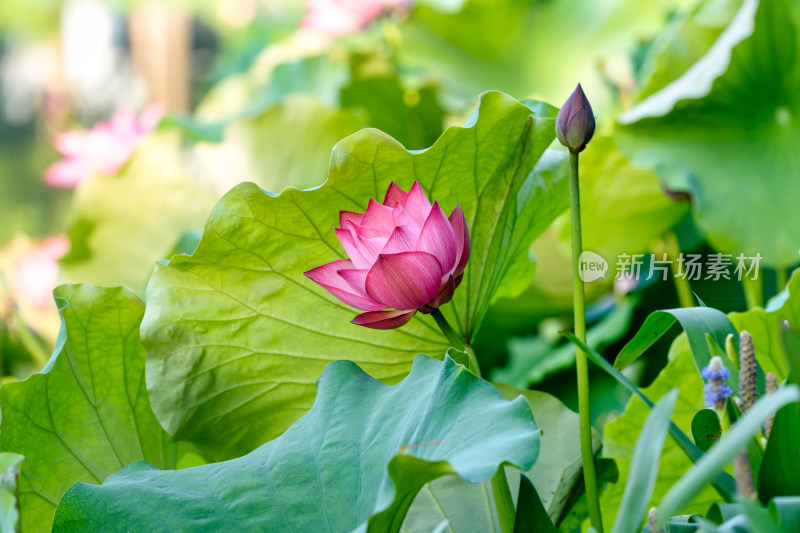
{"x": 104, "y": 149}
{"x": 37, "y": 271}
{"x": 625, "y": 284}
{"x": 405, "y": 254}
{"x": 337, "y": 18}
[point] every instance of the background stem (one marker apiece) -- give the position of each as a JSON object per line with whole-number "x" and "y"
{"x": 32, "y": 345}
{"x": 783, "y": 277}
{"x": 503, "y": 501}
{"x": 682, "y": 286}
{"x": 753, "y": 292}
{"x": 587, "y": 452}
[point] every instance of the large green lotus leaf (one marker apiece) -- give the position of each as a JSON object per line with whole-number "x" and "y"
{"x": 236, "y": 335}
{"x": 547, "y": 176}
{"x": 557, "y": 475}
{"x": 764, "y": 327}
{"x": 87, "y": 414}
{"x": 356, "y": 459}
{"x": 685, "y": 40}
{"x": 536, "y": 48}
{"x": 9, "y": 474}
{"x": 120, "y": 225}
{"x": 619, "y": 436}
{"x": 727, "y": 132}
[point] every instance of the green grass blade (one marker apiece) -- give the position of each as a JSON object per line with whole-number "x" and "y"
{"x": 644, "y": 467}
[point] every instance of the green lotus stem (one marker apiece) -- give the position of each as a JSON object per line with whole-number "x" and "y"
{"x": 753, "y": 292}
{"x": 783, "y": 277}
{"x": 503, "y": 501}
{"x": 473, "y": 361}
{"x": 587, "y": 452}
{"x": 682, "y": 287}
{"x": 455, "y": 341}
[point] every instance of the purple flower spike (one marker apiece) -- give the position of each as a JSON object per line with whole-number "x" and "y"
{"x": 716, "y": 391}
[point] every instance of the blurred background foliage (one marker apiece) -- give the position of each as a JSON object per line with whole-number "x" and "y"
{"x": 256, "y": 90}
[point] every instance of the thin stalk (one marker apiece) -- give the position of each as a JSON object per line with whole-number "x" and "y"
{"x": 35, "y": 350}
{"x": 502, "y": 501}
{"x": 682, "y": 286}
{"x": 753, "y": 292}
{"x": 456, "y": 341}
{"x": 783, "y": 277}
{"x": 587, "y": 452}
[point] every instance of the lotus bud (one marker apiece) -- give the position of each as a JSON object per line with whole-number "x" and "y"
{"x": 716, "y": 391}
{"x": 772, "y": 386}
{"x": 747, "y": 371}
{"x": 575, "y": 121}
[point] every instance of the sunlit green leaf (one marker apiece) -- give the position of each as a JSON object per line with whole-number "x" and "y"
{"x": 236, "y": 335}
{"x": 10, "y": 464}
{"x": 87, "y": 415}
{"x": 120, "y": 225}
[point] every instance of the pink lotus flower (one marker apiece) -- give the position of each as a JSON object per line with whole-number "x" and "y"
{"x": 37, "y": 271}
{"x": 336, "y": 18}
{"x": 104, "y": 149}
{"x": 404, "y": 254}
